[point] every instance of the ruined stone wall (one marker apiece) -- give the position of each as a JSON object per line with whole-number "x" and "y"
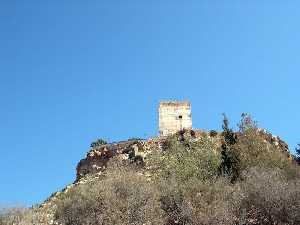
{"x": 174, "y": 116}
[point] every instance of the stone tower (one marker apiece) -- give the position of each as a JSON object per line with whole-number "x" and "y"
{"x": 174, "y": 116}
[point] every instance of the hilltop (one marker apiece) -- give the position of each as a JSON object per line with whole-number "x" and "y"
{"x": 189, "y": 177}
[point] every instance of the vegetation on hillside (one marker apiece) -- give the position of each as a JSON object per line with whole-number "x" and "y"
{"x": 228, "y": 178}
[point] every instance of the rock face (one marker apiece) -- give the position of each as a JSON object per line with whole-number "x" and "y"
{"x": 275, "y": 140}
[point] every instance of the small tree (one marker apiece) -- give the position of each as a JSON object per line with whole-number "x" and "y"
{"x": 298, "y": 153}
{"x": 246, "y": 123}
{"x": 229, "y": 158}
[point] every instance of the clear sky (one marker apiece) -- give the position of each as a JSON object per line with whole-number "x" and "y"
{"x": 73, "y": 71}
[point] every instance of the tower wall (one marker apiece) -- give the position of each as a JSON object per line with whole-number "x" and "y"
{"x": 174, "y": 116}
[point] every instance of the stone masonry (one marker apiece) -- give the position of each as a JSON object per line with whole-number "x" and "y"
{"x": 174, "y": 116}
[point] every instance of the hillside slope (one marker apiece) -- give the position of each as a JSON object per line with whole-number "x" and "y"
{"x": 192, "y": 177}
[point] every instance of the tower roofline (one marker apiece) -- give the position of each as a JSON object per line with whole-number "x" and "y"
{"x": 175, "y": 103}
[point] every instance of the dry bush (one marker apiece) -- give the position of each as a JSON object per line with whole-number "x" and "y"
{"x": 198, "y": 203}
{"x": 12, "y": 216}
{"x": 265, "y": 196}
{"x": 268, "y": 197}
{"x": 22, "y": 216}
{"x": 123, "y": 197}
{"x": 175, "y": 207}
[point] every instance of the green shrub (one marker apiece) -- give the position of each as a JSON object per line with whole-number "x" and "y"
{"x": 186, "y": 160}
{"x": 98, "y": 142}
{"x": 213, "y": 133}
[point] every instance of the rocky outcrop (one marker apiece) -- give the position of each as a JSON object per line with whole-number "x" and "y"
{"x": 97, "y": 158}
{"x": 274, "y": 140}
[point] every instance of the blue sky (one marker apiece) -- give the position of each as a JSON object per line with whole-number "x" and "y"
{"x": 73, "y": 71}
